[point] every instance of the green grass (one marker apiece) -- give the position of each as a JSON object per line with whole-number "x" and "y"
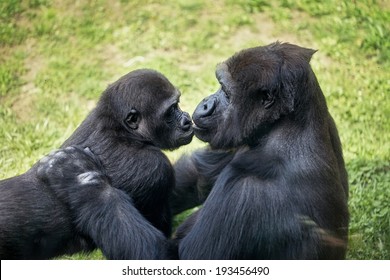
{"x": 56, "y": 57}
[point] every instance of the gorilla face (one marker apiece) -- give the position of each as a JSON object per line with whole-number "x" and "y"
{"x": 258, "y": 87}
{"x": 145, "y": 106}
{"x": 176, "y": 128}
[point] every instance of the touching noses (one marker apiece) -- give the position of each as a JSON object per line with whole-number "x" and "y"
{"x": 186, "y": 122}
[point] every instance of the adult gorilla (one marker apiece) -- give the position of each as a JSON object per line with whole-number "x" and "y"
{"x": 274, "y": 165}
{"x": 70, "y": 202}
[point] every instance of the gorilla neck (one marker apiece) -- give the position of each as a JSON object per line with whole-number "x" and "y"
{"x": 101, "y": 131}
{"x": 115, "y": 151}
{"x": 305, "y": 136}
{"x": 109, "y": 142}
{"x": 311, "y": 104}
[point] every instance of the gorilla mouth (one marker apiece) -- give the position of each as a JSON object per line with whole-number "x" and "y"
{"x": 186, "y": 138}
{"x": 198, "y": 130}
{"x": 198, "y": 127}
{"x": 202, "y": 133}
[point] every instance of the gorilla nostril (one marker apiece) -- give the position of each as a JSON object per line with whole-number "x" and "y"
{"x": 205, "y": 108}
{"x": 208, "y": 107}
{"x": 186, "y": 124}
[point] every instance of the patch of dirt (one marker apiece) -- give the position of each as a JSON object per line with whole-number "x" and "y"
{"x": 263, "y": 32}
{"x": 33, "y": 64}
{"x": 385, "y": 4}
{"x": 266, "y": 31}
{"x": 23, "y": 105}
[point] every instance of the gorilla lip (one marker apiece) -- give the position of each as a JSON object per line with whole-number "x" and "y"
{"x": 200, "y": 132}
{"x": 189, "y": 133}
{"x": 197, "y": 127}
{"x": 187, "y": 138}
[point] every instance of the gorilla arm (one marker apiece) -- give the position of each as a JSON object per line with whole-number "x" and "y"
{"x": 195, "y": 175}
{"x": 100, "y": 211}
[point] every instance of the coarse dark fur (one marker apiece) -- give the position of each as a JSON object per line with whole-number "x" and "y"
{"x": 272, "y": 179}
{"x": 114, "y": 195}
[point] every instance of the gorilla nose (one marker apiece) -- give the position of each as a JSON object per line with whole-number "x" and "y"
{"x": 206, "y": 108}
{"x": 186, "y": 122}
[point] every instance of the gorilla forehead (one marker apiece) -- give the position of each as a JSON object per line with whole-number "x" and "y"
{"x": 261, "y": 67}
{"x": 253, "y": 66}
{"x": 257, "y": 55}
{"x": 146, "y": 82}
{"x": 143, "y": 89}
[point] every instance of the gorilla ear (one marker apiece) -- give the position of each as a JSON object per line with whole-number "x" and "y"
{"x": 296, "y": 52}
{"x": 308, "y": 53}
{"x": 133, "y": 119}
{"x": 267, "y": 98}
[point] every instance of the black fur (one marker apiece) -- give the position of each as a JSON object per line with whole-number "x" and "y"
{"x": 281, "y": 190}
{"x": 70, "y": 202}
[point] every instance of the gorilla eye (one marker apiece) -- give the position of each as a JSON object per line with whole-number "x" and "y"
{"x": 226, "y": 95}
{"x": 173, "y": 108}
{"x": 171, "y": 112}
{"x": 225, "y": 92}
{"x": 132, "y": 118}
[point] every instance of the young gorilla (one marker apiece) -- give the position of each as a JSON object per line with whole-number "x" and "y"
{"x": 274, "y": 165}
{"x": 69, "y": 201}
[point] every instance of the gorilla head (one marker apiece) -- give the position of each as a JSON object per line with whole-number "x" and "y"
{"x": 259, "y": 86}
{"x": 143, "y": 106}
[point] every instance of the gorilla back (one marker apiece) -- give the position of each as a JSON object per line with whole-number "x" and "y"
{"x": 69, "y": 202}
{"x": 281, "y": 190}
{"x": 34, "y": 224}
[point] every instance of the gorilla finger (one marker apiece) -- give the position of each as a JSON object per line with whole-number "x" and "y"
{"x": 90, "y": 178}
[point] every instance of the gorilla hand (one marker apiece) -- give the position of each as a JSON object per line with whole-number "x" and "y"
{"x": 67, "y": 171}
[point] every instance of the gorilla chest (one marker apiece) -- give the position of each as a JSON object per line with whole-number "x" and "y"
{"x": 141, "y": 175}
